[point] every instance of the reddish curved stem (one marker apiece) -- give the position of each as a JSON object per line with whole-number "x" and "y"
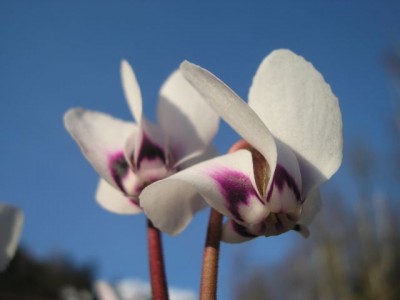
{"x": 156, "y": 261}
{"x": 209, "y": 274}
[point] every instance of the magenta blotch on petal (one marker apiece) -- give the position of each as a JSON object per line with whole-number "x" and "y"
{"x": 242, "y": 230}
{"x": 149, "y": 151}
{"x": 282, "y": 178}
{"x": 237, "y": 190}
{"x": 119, "y": 168}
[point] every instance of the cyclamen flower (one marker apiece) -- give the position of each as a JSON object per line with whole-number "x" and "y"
{"x": 11, "y": 221}
{"x": 292, "y": 131}
{"x": 129, "y": 156}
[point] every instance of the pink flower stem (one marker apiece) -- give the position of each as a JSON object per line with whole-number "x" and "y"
{"x": 209, "y": 274}
{"x": 156, "y": 261}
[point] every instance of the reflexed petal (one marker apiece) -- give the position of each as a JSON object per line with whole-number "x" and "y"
{"x": 101, "y": 139}
{"x": 226, "y": 183}
{"x": 11, "y": 220}
{"x": 299, "y": 108}
{"x": 114, "y": 200}
{"x": 131, "y": 90}
{"x": 170, "y": 204}
{"x": 311, "y": 207}
{"x": 233, "y": 110}
{"x": 187, "y": 119}
{"x": 233, "y": 232}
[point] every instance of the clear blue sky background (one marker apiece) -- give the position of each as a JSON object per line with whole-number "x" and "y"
{"x": 56, "y": 55}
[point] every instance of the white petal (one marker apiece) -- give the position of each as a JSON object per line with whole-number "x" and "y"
{"x": 114, "y": 200}
{"x": 102, "y": 139}
{"x": 311, "y": 207}
{"x": 233, "y": 110}
{"x": 184, "y": 115}
{"x": 11, "y": 220}
{"x": 170, "y": 204}
{"x": 131, "y": 90}
{"x": 299, "y": 108}
{"x": 209, "y": 153}
{"x": 226, "y": 183}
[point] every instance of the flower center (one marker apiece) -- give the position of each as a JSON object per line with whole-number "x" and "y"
{"x": 153, "y": 162}
{"x": 278, "y": 223}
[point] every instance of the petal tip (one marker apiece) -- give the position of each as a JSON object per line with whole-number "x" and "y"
{"x": 186, "y": 67}
{"x": 185, "y": 63}
{"x": 71, "y": 115}
{"x": 125, "y": 65}
{"x": 127, "y": 73}
{"x": 283, "y": 51}
{"x": 124, "y": 61}
{"x": 284, "y": 54}
{"x": 131, "y": 89}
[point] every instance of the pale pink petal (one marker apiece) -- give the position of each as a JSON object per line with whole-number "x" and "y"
{"x": 298, "y": 106}
{"x": 131, "y": 90}
{"x": 226, "y": 183}
{"x": 102, "y": 139}
{"x": 233, "y": 110}
{"x": 114, "y": 200}
{"x": 171, "y": 204}
{"x": 185, "y": 117}
{"x": 11, "y": 221}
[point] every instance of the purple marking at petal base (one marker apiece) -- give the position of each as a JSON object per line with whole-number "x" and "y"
{"x": 282, "y": 177}
{"x": 118, "y": 168}
{"x": 149, "y": 150}
{"x": 236, "y": 188}
{"x": 241, "y": 230}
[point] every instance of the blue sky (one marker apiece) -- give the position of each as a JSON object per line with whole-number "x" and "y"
{"x": 56, "y": 55}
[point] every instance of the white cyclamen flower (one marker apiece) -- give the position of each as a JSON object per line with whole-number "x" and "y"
{"x": 11, "y": 221}
{"x": 129, "y": 156}
{"x": 293, "y": 128}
